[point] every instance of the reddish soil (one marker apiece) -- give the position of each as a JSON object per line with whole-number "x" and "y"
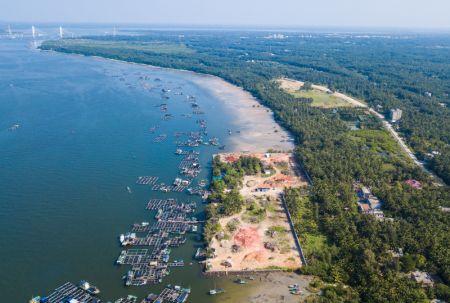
{"x": 247, "y": 236}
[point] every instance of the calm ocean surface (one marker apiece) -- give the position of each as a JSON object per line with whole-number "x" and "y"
{"x": 83, "y": 138}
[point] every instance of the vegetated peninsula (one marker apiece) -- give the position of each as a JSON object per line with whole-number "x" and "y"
{"x": 373, "y": 225}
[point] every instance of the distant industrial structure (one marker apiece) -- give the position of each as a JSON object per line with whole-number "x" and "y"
{"x": 276, "y": 36}
{"x": 396, "y": 114}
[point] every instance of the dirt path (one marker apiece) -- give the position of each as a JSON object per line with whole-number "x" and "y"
{"x": 290, "y": 84}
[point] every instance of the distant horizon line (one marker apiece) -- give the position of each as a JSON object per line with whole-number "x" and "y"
{"x": 249, "y": 27}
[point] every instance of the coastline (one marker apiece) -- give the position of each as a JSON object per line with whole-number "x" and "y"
{"x": 256, "y": 129}
{"x": 259, "y": 131}
{"x": 257, "y": 134}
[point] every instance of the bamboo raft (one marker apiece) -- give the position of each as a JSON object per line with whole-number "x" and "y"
{"x": 150, "y": 267}
{"x": 69, "y": 290}
{"x": 146, "y": 180}
{"x": 169, "y": 188}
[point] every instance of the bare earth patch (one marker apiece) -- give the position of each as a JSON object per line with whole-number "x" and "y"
{"x": 263, "y": 240}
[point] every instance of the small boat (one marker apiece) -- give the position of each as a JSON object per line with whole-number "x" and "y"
{"x": 131, "y": 298}
{"x": 93, "y": 290}
{"x": 179, "y": 151}
{"x": 127, "y": 239}
{"x": 216, "y": 291}
{"x": 129, "y": 189}
{"x": 198, "y": 253}
{"x": 130, "y": 276}
{"x": 214, "y": 141}
{"x": 35, "y": 300}
{"x": 165, "y": 189}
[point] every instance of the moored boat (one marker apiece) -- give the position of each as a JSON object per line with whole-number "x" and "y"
{"x": 93, "y": 290}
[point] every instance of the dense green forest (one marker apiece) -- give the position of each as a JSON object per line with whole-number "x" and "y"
{"x": 411, "y": 72}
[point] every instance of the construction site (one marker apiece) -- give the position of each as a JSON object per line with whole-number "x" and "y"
{"x": 260, "y": 237}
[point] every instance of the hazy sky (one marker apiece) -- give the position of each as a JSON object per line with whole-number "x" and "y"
{"x": 365, "y": 13}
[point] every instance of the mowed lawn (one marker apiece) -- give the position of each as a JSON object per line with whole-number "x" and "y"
{"x": 321, "y": 99}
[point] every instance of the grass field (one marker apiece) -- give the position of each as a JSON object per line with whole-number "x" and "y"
{"x": 322, "y": 96}
{"x": 321, "y": 99}
{"x": 155, "y": 47}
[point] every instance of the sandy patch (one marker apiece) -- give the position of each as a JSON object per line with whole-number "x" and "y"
{"x": 291, "y": 85}
{"x": 258, "y": 130}
{"x": 267, "y": 288}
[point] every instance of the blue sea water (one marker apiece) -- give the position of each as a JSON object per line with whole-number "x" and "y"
{"x": 83, "y": 138}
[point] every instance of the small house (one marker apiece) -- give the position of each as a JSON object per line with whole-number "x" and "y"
{"x": 364, "y": 208}
{"x": 422, "y": 277}
{"x": 365, "y": 192}
{"x": 374, "y": 202}
{"x": 263, "y": 188}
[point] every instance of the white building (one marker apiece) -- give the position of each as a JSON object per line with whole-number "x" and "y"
{"x": 396, "y": 114}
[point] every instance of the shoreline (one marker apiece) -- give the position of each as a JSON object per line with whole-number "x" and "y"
{"x": 257, "y": 135}
{"x": 267, "y": 287}
{"x": 256, "y": 129}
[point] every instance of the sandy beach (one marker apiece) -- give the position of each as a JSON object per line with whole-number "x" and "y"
{"x": 258, "y": 130}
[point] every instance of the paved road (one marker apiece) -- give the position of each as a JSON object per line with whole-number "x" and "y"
{"x": 401, "y": 142}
